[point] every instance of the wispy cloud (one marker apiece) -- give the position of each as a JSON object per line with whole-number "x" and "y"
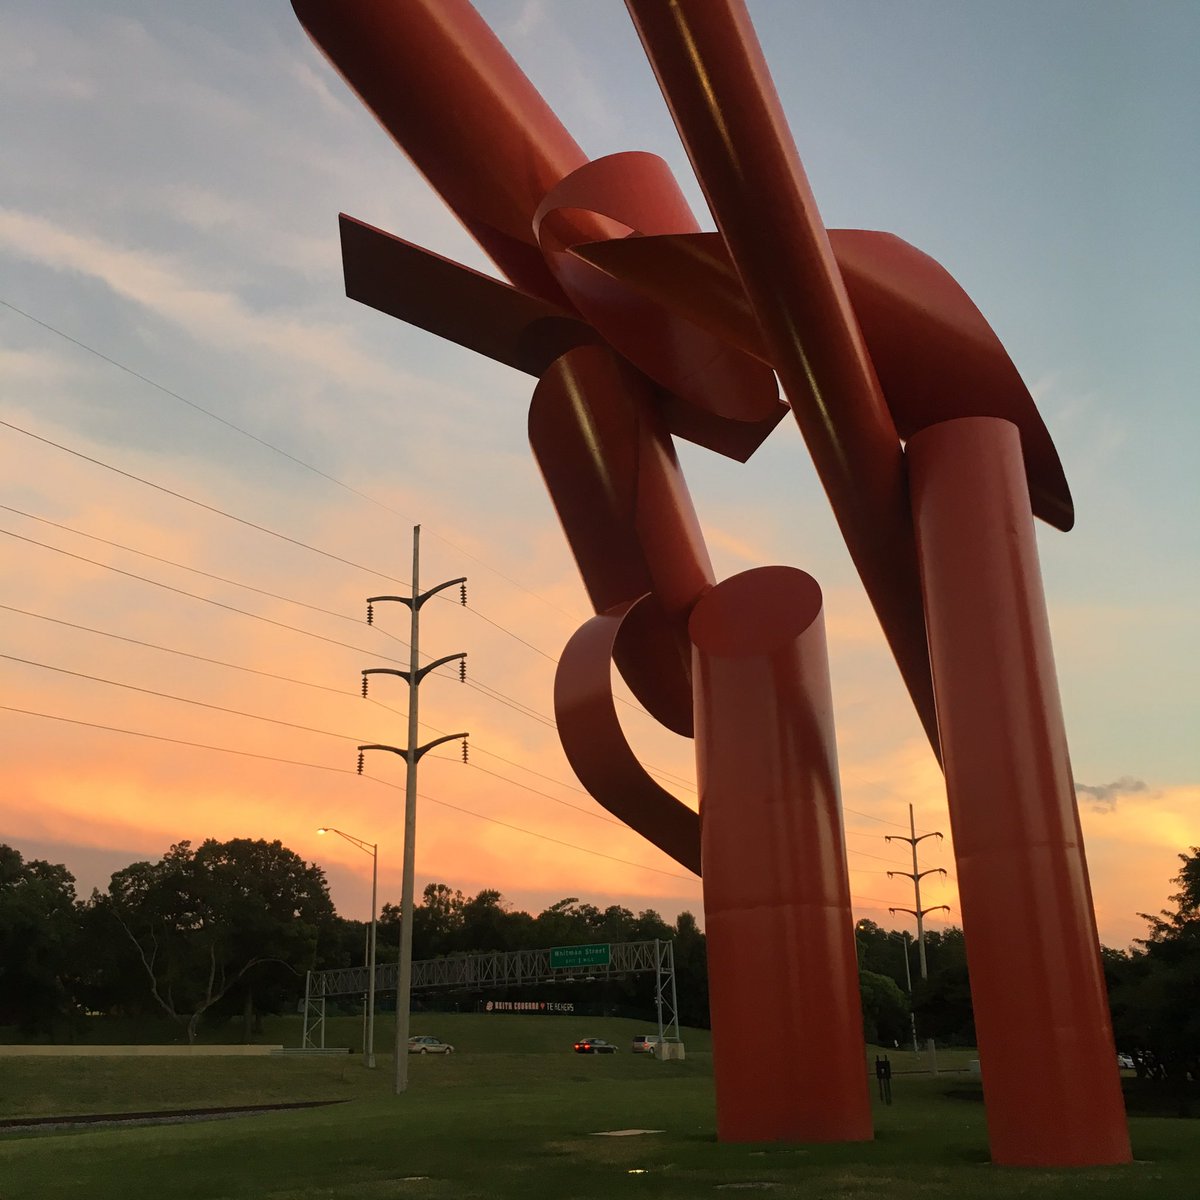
{"x": 1103, "y": 797}
{"x": 171, "y": 290}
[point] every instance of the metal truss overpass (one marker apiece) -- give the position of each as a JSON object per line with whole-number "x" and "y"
{"x": 496, "y": 970}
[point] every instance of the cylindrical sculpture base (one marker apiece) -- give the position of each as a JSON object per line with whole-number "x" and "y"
{"x": 1046, "y": 1051}
{"x": 783, "y": 982}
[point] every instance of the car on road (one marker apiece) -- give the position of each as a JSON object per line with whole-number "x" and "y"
{"x": 645, "y": 1043}
{"x": 1125, "y": 1062}
{"x": 594, "y": 1046}
{"x": 424, "y": 1044}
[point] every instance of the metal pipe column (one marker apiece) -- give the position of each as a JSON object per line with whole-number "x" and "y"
{"x": 1046, "y": 1049}
{"x": 776, "y": 885}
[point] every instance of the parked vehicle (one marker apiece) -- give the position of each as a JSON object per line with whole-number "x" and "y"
{"x": 1125, "y": 1062}
{"x": 645, "y": 1043}
{"x": 594, "y": 1046}
{"x": 424, "y": 1044}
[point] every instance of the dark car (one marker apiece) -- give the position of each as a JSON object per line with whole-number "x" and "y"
{"x": 594, "y": 1046}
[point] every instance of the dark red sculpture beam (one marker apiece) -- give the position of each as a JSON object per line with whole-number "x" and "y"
{"x": 452, "y": 301}
{"x": 717, "y": 85}
{"x": 442, "y": 84}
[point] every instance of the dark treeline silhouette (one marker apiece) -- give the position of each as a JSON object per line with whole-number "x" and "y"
{"x": 229, "y": 929}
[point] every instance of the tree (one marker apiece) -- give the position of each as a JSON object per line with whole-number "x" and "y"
{"x": 38, "y": 939}
{"x": 691, "y": 971}
{"x": 885, "y": 1009}
{"x": 240, "y": 915}
{"x": 882, "y": 951}
{"x": 1154, "y": 990}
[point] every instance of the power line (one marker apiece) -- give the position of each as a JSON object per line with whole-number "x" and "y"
{"x": 274, "y": 533}
{"x": 303, "y": 728}
{"x": 193, "y": 596}
{"x": 216, "y": 662}
{"x": 508, "y": 701}
{"x": 300, "y": 682}
{"x": 556, "y": 799}
{"x": 299, "y": 462}
{"x": 261, "y": 591}
{"x": 478, "y": 685}
{"x": 339, "y": 771}
{"x": 495, "y": 694}
{"x": 877, "y": 857}
{"x": 212, "y": 508}
{"x": 194, "y": 570}
{"x": 352, "y": 738}
{"x": 131, "y": 687}
{"x": 543, "y": 837}
{"x": 174, "y": 741}
{"x": 271, "y": 446}
{"x": 496, "y": 625}
{"x": 637, "y": 708}
{"x": 869, "y": 817}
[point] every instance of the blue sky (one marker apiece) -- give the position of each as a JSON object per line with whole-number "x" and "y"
{"x": 172, "y": 179}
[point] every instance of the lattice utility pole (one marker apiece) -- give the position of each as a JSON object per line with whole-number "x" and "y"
{"x": 412, "y": 754}
{"x": 916, "y": 875}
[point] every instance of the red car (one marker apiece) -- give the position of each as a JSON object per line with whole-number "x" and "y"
{"x": 594, "y": 1046}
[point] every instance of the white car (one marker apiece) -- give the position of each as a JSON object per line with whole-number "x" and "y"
{"x": 645, "y": 1043}
{"x": 424, "y": 1044}
{"x": 1125, "y": 1062}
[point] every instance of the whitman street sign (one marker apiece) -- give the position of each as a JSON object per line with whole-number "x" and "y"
{"x": 599, "y": 955}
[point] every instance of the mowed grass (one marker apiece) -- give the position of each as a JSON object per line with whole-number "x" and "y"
{"x": 511, "y": 1114}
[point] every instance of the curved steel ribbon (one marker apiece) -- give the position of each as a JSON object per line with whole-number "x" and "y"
{"x": 611, "y": 471}
{"x": 717, "y": 395}
{"x": 595, "y": 744}
{"x": 936, "y": 356}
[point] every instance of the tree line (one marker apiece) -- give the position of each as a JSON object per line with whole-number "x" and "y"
{"x": 229, "y": 929}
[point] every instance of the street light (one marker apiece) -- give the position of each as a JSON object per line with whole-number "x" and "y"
{"x": 372, "y": 849}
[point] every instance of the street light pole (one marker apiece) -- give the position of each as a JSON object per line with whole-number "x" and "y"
{"x": 372, "y": 849}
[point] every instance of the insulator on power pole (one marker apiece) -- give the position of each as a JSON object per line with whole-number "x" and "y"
{"x": 464, "y": 749}
{"x": 462, "y": 670}
{"x": 462, "y": 594}
{"x": 370, "y": 613}
{"x": 364, "y": 687}
{"x": 360, "y": 760}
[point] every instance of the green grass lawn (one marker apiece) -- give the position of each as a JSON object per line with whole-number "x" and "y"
{"x": 511, "y": 1114}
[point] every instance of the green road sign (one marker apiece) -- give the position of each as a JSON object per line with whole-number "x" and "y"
{"x": 599, "y": 955}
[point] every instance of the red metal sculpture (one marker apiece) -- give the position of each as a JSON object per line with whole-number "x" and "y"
{"x": 638, "y": 328}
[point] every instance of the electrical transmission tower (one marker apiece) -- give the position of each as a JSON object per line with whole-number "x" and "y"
{"x": 916, "y": 875}
{"x": 412, "y": 754}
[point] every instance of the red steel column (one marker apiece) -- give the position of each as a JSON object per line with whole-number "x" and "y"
{"x": 781, "y": 958}
{"x": 1041, "y": 1013}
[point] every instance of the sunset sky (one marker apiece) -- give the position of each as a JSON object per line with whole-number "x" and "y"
{"x": 211, "y": 456}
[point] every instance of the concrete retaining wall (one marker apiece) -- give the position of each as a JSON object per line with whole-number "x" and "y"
{"x": 135, "y": 1051}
